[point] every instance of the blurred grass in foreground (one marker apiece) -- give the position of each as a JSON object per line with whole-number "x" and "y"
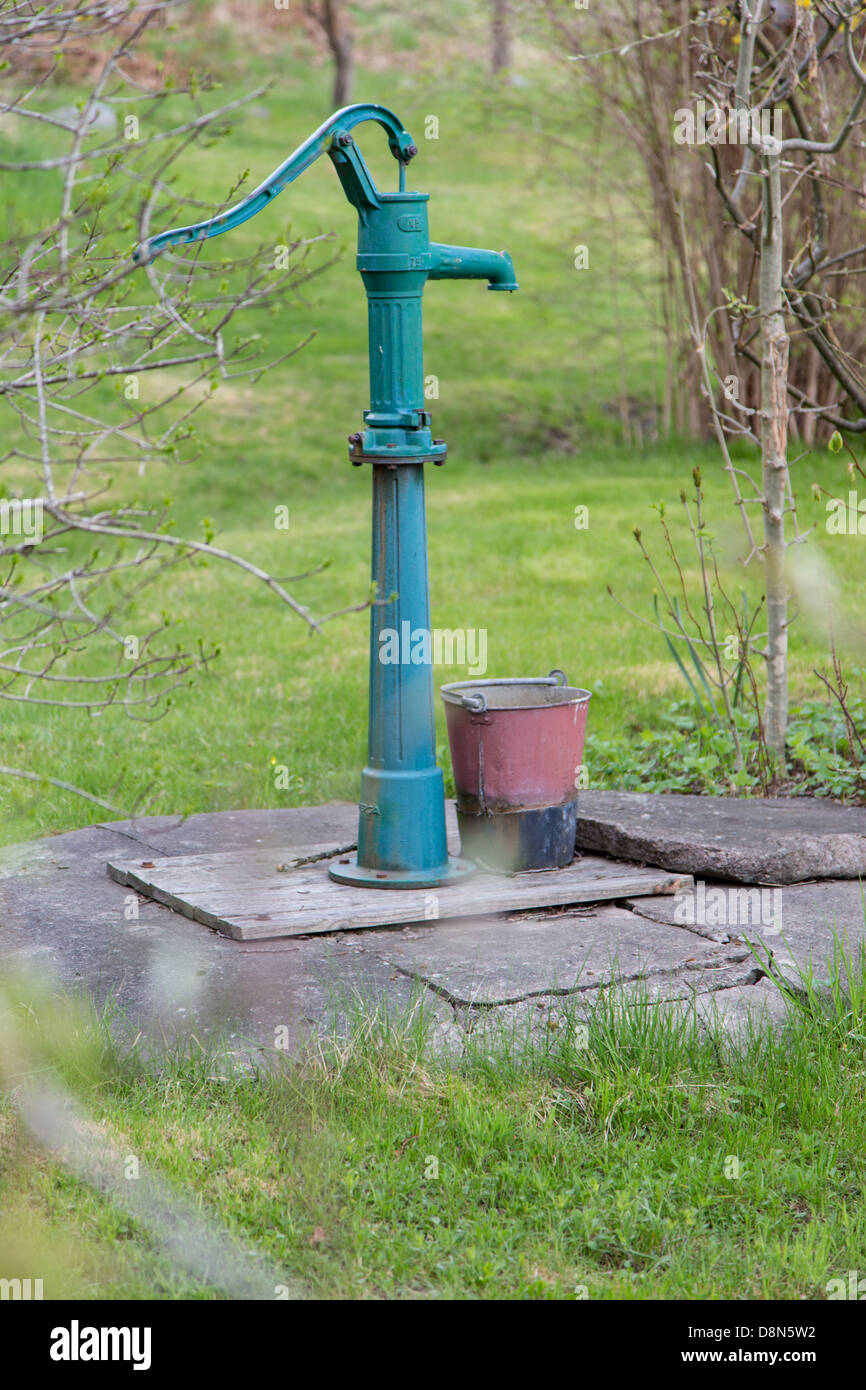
{"x": 545, "y": 1161}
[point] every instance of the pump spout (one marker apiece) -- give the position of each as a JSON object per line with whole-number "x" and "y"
{"x": 469, "y": 263}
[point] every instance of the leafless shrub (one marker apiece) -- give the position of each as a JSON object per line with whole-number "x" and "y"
{"x": 81, "y": 328}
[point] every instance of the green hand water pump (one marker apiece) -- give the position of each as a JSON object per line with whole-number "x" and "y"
{"x": 401, "y": 823}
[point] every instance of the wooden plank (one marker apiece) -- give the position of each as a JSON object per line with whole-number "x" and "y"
{"x": 242, "y": 868}
{"x": 245, "y": 895}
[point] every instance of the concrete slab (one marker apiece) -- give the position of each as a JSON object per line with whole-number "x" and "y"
{"x": 173, "y": 978}
{"x": 223, "y": 831}
{"x": 487, "y": 961}
{"x": 688, "y": 998}
{"x": 777, "y": 841}
{"x": 166, "y": 975}
{"x": 209, "y": 832}
{"x": 739, "y": 1010}
{"x": 809, "y": 918}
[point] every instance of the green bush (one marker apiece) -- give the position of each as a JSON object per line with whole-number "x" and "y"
{"x": 689, "y": 753}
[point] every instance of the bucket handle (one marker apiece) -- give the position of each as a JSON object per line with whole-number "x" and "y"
{"x": 477, "y": 703}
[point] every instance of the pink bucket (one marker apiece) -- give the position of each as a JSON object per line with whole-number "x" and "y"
{"x": 516, "y": 751}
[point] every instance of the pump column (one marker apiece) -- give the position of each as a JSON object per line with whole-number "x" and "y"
{"x": 401, "y": 822}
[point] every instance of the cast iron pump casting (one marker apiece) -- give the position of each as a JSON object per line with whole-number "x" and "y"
{"x": 401, "y": 824}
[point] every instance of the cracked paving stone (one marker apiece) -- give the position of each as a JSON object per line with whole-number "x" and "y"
{"x": 810, "y": 917}
{"x": 489, "y": 961}
{"x": 170, "y": 977}
{"x": 731, "y": 1002}
{"x": 737, "y": 1010}
{"x": 539, "y": 1021}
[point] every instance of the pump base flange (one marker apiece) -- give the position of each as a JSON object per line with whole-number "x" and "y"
{"x": 360, "y": 876}
{"x": 358, "y": 455}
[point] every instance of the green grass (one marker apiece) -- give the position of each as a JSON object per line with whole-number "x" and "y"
{"x": 565, "y": 1167}
{"x": 528, "y": 398}
{"x": 504, "y": 556}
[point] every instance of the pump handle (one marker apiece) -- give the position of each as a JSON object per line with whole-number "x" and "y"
{"x": 331, "y": 137}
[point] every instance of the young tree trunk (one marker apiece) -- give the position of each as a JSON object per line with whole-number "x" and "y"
{"x": 334, "y": 19}
{"x": 500, "y": 49}
{"x": 774, "y": 451}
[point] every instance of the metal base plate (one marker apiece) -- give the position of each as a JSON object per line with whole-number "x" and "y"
{"x": 359, "y": 876}
{"x": 396, "y": 460}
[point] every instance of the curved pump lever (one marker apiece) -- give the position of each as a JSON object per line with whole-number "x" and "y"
{"x": 332, "y": 138}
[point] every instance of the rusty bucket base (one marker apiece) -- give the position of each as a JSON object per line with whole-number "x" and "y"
{"x": 513, "y": 841}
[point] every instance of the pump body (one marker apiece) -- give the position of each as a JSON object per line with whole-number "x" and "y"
{"x": 401, "y": 821}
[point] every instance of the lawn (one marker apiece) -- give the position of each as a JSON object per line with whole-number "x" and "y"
{"x": 529, "y": 387}
{"x": 637, "y": 1159}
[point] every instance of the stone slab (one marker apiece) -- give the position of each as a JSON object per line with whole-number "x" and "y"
{"x": 739, "y": 1010}
{"x": 729, "y": 999}
{"x": 811, "y": 918}
{"x": 774, "y": 841}
{"x": 171, "y": 978}
{"x": 66, "y": 922}
{"x": 491, "y": 961}
{"x": 223, "y": 831}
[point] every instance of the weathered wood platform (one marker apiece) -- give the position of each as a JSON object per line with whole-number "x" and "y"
{"x": 256, "y": 893}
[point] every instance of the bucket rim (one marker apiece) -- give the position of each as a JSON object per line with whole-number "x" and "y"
{"x": 452, "y": 693}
